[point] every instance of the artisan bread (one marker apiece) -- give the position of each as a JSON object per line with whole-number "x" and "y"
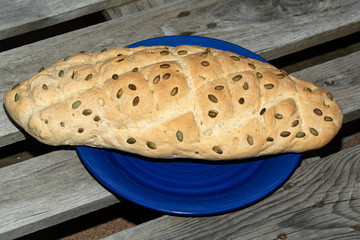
{"x": 174, "y": 102}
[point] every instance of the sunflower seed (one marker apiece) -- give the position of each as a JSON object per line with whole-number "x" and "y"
{"x": 89, "y": 77}
{"x": 44, "y": 86}
{"x": 295, "y": 123}
{"x": 269, "y": 139}
{"x": 259, "y": 75}
{"x": 235, "y": 58}
{"x": 163, "y": 53}
{"x": 204, "y": 54}
{"x": 252, "y": 66}
{"x": 246, "y": 86}
{"x": 132, "y": 87}
{"x": 182, "y": 52}
{"x": 166, "y": 76}
{"x": 165, "y": 65}
{"x": 330, "y": 96}
{"x": 61, "y": 73}
{"x": 80, "y": 130}
{"x": 115, "y": 76}
{"x": 262, "y": 111}
{"x": 101, "y": 101}
{"x": 74, "y": 74}
{"x": 278, "y": 116}
{"x": 280, "y": 75}
{"x": 241, "y": 100}
{"x": 307, "y": 89}
{"x": 17, "y": 97}
{"x": 219, "y": 87}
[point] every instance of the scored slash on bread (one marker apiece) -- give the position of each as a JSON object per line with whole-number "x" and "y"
{"x": 174, "y": 102}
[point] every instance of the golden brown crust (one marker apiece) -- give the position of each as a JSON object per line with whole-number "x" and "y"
{"x": 167, "y": 102}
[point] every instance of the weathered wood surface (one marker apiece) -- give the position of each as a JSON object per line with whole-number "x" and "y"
{"x": 320, "y": 201}
{"x": 271, "y": 32}
{"x": 60, "y": 180}
{"x": 17, "y": 17}
{"x": 45, "y": 191}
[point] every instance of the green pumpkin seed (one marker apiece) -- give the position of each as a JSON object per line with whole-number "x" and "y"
{"x": 235, "y": 58}
{"x": 330, "y": 96}
{"x": 313, "y": 131}
{"x": 278, "y": 116}
{"x": 131, "y": 140}
{"x": 136, "y": 101}
{"x": 61, "y": 73}
{"x": 96, "y": 118}
{"x": 326, "y": 105}
{"x": 119, "y": 93}
{"x": 80, "y": 130}
{"x": 269, "y": 86}
{"x": 179, "y": 136}
{"x": 89, "y": 77}
{"x": 241, "y": 100}
{"x": 163, "y": 53}
{"x": 182, "y": 52}
{"x": 237, "y": 78}
{"x": 204, "y": 54}
{"x": 15, "y": 86}
{"x": 218, "y": 150}
{"x": 74, "y": 74}
{"x": 284, "y": 72}
{"x": 156, "y": 79}
{"x": 205, "y": 63}
{"x": 295, "y": 123}
{"x": 132, "y": 87}
{"x": 219, "y": 87}
{"x": 269, "y": 139}
{"x": 285, "y": 134}
{"x": 300, "y": 135}
{"x": 280, "y": 75}
{"x": 115, "y": 76}
{"x": 250, "y": 140}
{"x": 252, "y": 66}
{"x": 246, "y": 86}
{"x": 166, "y": 76}
{"x": 259, "y": 76}
{"x": 328, "y": 119}
{"x": 165, "y": 65}
{"x": 151, "y": 145}
{"x": 76, "y": 104}
{"x": 100, "y": 101}
{"x": 41, "y": 69}
{"x": 174, "y": 91}
{"x": 44, "y": 86}
{"x": 213, "y": 113}
{"x": 87, "y": 112}
{"x": 318, "y": 112}
{"x": 262, "y": 111}
{"x": 212, "y": 98}
{"x": 306, "y": 89}
{"x": 17, "y": 97}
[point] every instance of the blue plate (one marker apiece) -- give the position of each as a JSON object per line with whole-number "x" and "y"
{"x": 183, "y": 186}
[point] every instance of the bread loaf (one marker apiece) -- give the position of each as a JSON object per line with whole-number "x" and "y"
{"x": 174, "y": 102}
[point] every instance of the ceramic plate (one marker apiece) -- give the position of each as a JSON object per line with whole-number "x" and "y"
{"x": 183, "y": 186}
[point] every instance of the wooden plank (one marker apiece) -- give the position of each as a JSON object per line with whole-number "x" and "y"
{"x": 320, "y": 201}
{"x": 265, "y": 38}
{"x": 132, "y": 7}
{"x": 45, "y": 191}
{"x": 18, "y": 17}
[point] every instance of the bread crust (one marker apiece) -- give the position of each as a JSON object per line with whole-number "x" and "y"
{"x": 174, "y": 102}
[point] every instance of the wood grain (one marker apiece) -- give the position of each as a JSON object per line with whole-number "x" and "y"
{"x": 18, "y": 17}
{"x": 45, "y": 191}
{"x": 320, "y": 201}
